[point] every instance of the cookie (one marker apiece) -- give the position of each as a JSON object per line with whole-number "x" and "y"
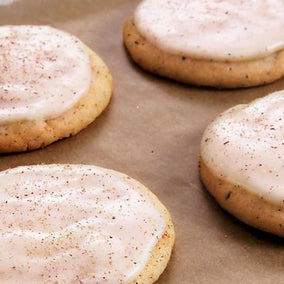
{"x": 81, "y": 224}
{"x": 224, "y": 44}
{"x": 52, "y": 86}
{"x": 242, "y": 154}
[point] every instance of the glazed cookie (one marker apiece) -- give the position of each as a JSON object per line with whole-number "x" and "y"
{"x": 52, "y": 86}
{"x": 81, "y": 224}
{"x": 242, "y": 162}
{"x": 225, "y": 44}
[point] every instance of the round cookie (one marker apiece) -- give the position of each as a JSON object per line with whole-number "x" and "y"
{"x": 241, "y": 164}
{"x": 52, "y": 86}
{"x": 209, "y": 43}
{"x": 81, "y": 224}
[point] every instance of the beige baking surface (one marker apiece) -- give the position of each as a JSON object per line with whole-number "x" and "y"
{"x": 151, "y": 131}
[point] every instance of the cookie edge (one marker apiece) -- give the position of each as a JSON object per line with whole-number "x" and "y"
{"x": 161, "y": 254}
{"x": 243, "y": 204}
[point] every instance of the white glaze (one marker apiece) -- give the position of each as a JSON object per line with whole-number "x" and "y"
{"x": 44, "y": 72}
{"x": 245, "y": 145}
{"x": 215, "y": 29}
{"x": 71, "y": 223}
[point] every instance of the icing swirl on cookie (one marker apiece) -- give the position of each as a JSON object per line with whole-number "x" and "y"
{"x": 75, "y": 224}
{"x": 44, "y": 72}
{"x": 245, "y": 146}
{"x": 214, "y": 29}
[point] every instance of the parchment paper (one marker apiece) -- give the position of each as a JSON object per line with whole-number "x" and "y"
{"x": 151, "y": 131}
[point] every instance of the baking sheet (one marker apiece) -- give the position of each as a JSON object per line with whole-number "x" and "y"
{"x": 151, "y": 131}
